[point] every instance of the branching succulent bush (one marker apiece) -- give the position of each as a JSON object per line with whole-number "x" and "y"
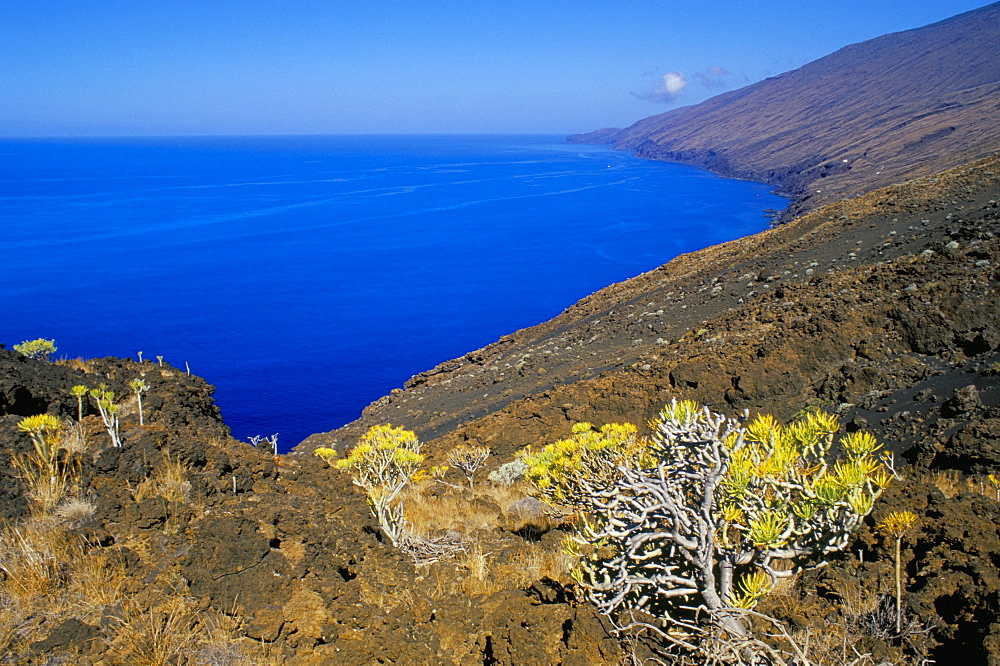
{"x": 109, "y": 411}
{"x": 709, "y": 512}
{"x": 896, "y": 525}
{"x": 46, "y": 475}
{"x": 382, "y": 463}
{"x": 272, "y": 442}
{"x": 43, "y": 429}
{"x": 569, "y": 472}
{"x": 326, "y": 454}
{"x": 79, "y": 392}
{"x": 468, "y": 459}
{"x": 139, "y": 386}
{"x": 41, "y": 348}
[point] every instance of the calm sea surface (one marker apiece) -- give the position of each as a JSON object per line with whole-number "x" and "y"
{"x": 307, "y": 276}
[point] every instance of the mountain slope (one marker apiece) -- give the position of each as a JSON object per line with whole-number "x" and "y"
{"x": 881, "y": 308}
{"x": 871, "y": 114}
{"x": 816, "y": 308}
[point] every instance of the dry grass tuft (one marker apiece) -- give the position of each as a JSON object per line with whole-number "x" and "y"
{"x": 74, "y": 438}
{"x": 97, "y": 581}
{"x": 168, "y": 481}
{"x": 176, "y": 632}
{"x": 480, "y": 580}
{"x": 513, "y": 568}
{"x": 165, "y": 634}
{"x": 75, "y": 512}
{"x": 47, "y": 483}
{"x": 33, "y": 558}
{"x": 948, "y": 481}
{"x": 487, "y": 507}
{"x": 952, "y": 482}
{"x": 81, "y": 364}
{"x": 486, "y": 518}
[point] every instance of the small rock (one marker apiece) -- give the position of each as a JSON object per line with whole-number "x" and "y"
{"x": 965, "y": 400}
{"x": 70, "y": 632}
{"x": 266, "y": 624}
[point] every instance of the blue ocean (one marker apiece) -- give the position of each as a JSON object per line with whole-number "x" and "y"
{"x": 307, "y": 276}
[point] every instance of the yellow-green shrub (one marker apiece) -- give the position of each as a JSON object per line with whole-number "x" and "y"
{"x": 710, "y": 511}
{"x": 382, "y": 463}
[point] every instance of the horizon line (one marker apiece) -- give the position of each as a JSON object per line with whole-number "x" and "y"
{"x": 268, "y": 135}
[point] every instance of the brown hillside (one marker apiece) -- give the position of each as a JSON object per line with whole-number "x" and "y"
{"x": 807, "y": 310}
{"x": 881, "y": 308}
{"x": 871, "y": 114}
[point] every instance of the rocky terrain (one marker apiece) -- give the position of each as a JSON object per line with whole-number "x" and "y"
{"x": 192, "y": 547}
{"x": 197, "y": 548}
{"x": 185, "y": 545}
{"x": 846, "y": 305}
{"x": 872, "y": 114}
{"x": 881, "y": 308}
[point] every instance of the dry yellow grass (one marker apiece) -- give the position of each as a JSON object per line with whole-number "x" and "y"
{"x": 465, "y": 511}
{"x": 46, "y": 484}
{"x": 32, "y": 557}
{"x": 81, "y": 364}
{"x": 951, "y": 482}
{"x": 513, "y": 569}
{"x": 51, "y": 573}
{"x": 168, "y": 633}
{"x": 168, "y": 480}
{"x": 485, "y": 517}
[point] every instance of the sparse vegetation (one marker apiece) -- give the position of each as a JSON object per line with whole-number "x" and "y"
{"x": 169, "y": 481}
{"x": 708, "y": 514}
{"x": 41, "y": 348}
{"x": 468, "y": 459}
{"x": 110, "y": 412}
{"x": 139, "y": 386}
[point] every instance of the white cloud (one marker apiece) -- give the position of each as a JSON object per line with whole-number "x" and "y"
{"x": 673, "y": 84}
{"x": 667, "y": 89}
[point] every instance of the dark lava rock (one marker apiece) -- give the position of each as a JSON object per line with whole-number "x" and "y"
{"x": 71, "y": 632}
{"x": 965, "y": 400}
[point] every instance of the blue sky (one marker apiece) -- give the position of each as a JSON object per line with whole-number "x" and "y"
{"x": 75, "y": 68}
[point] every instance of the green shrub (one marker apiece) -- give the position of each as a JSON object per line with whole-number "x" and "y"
{"x": 382, "y": 463}
{"x": 41, "y": 349}
{"x": 709, "y": 512}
